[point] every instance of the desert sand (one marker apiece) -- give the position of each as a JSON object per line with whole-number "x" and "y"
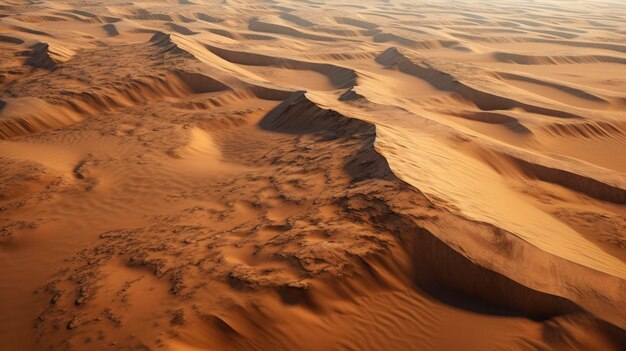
{"x": 312, "y": 175}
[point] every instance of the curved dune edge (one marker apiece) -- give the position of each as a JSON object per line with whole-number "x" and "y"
{"x": 443, "y": 80}
{"x": 496, "y": 118}
{"x": 313, "y": 23}
{"x": 178, "y": 46}
{"x": 571, "y": 43}
{"x": 554, "y": 60}
{"x": 300, "y": 115}
{"x": 187, "y": 48}
{"x": 268, "y": 26}
{"x": 566, "y": 89}
{"x": 230, "y": 60}
{"x": 340, "y": 77}
{"x": 584, "y": 184}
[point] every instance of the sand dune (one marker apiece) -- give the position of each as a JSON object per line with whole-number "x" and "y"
{"x": 312, "y": 175}
{"x": 553, "y": 60}
{"x": 42, "y": 55}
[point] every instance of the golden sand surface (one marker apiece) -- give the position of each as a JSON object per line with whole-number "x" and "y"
{"x": 312, "y": 175}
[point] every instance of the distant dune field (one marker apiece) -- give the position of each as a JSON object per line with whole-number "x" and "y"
{"x": 312, "y": 175}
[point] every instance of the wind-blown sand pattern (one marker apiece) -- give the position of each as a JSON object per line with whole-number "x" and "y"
{"x": 312, "y": 175}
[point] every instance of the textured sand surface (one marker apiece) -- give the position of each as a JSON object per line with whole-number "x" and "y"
{"x": 312, "y": 175}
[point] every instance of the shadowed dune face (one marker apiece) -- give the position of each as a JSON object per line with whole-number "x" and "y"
{"x": 312, "y": 175}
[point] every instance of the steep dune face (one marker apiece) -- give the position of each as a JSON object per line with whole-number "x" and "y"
{"x": 553, "y": 60}
{"x": 299, "y": 115}
{"x": 43, "y": 56}
{"x": 444, "y": 78}
{"x": 312, "y": 175}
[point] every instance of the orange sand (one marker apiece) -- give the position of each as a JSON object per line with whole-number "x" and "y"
{"x": 312, "y": 175}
